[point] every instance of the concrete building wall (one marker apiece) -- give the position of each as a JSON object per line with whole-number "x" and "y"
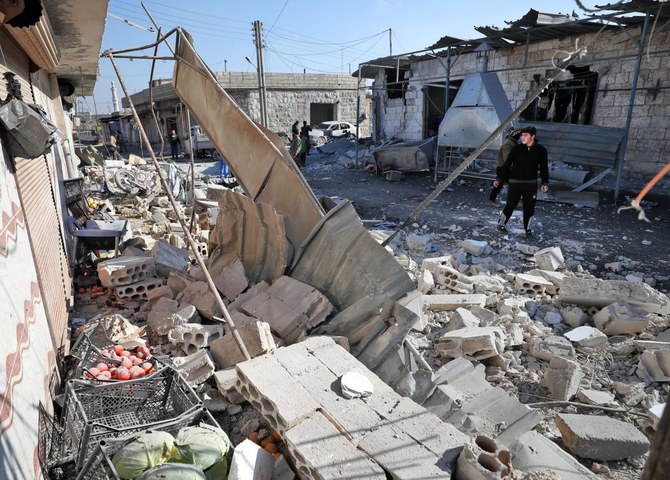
{"x": 612, "y": 54}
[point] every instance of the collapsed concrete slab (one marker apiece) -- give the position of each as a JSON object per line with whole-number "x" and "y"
{"x": 600, "y": 293}
{"x": 125, "y": 270}
{"x": 600, "y": 437}
{"x": 621, "y": 317}
{"x": 290, "y": 307}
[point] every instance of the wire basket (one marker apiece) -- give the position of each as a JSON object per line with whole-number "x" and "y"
{"x": 99, "y": 465}
{"x": 96, "y": 412}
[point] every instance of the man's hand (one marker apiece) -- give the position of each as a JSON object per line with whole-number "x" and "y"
{"x": 544, "y": 188}
{"x": 496, "y": 183}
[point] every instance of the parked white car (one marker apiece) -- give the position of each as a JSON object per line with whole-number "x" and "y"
{"x": 332, "y": 129}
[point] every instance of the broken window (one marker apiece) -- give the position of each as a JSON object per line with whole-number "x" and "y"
{"x": 395, "y": 82}
{"x": 565, "y": 101}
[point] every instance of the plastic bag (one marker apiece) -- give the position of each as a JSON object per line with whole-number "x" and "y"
{"x": 29, "y": 133}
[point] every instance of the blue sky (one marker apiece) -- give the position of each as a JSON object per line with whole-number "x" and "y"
{"x": 319, "y": 37}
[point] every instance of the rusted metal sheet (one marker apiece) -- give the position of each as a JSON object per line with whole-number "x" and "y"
{"x": 255, "y": 155}
{"x": 344, "y": 262}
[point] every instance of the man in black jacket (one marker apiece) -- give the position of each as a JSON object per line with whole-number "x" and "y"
{"x": 520, "y": 171}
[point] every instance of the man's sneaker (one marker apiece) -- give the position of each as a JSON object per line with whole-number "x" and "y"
{"x": 529, "y": 234}
{"x": 501, "y": 229}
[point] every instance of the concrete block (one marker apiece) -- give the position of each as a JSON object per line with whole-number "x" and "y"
{"x": 600, "y": 437}
{"x": 533, "y": 452}
{"x": 549, "y": 347}
{"x": 290, "y": 307}
{"x": 487, "y": 283}
{"x": 475, "y": 343}
{"x": 531, "y": 284}
{"x": 163, "y": 291}
{"x": 440, "y": 303}
{"x": 402, "y": 456}
{"x": 476, "y": 247}
{"x": 452, "y": 370}
{"x": 562, "y": 378}
{"x": 414, "y": 303}
{"x": 549, "y": 259}
{"x": 452, "y": 279}
{"x": 125, "y": 270}
{"x": 231, "y": 280}
{"x": 257, "y": 339}
{"x": 226, "y": 379}
{"x": 178, "y": 281}
{"x": 463, "y": 318}
{"x": 487, "y": 318}
{"x": 258, "y": 381}
{"x": 621, "y": 317}
{"x": 643, "y": 345}
{"x": 432, "y": 264}
{"x": 250, "y": 462}
{"x": 426, "y": 282}
{"x": 484, "y": 458}
{"x": 587, "y": 337}
{"x": 169, "y": 258}
{"x": 596, "y": 397}
{"x": 192, "y": 336}
{"x": 160, "y": 311}
{"x": 574, "y": 316}
{"x": 654, "y": 366}
{"x": 195, "y": 368}
{"x": 511, "y": 305}
{"x": 601, "y": 293}
{"x": 321, "y": 451}
{"x": 451, "y": 396}
{"x": 137, "y": 291}
{"x": 201, "y": 297}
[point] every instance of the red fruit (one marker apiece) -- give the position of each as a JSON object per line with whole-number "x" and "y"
{"x": 92, "y": 372}
{"x": 122, "y": 373}
{"x": 102, "y": 367}
{"x": 137, "y": 374}
{"x": 112, "y": 372}
{"x": 104, "y": 376}
{"x": 105, "y": 352}
{"x": 118, "y": 349}
{"x": 147, "y": 367}
{"x": 125, "y": 353}
{"x": 134, "y": 359}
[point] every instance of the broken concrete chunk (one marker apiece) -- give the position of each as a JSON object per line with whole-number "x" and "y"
{"x": 562, "y": 378}
{"x": 451, "y": 396}
{"x": 414, "y": 303}
{"x": 195, "y": 368}
{"x": 596, "y": 397}
{"x": 225, "y": 384}
{"x": 550, "y": 347}
{"x": 475, "y": 343}
{"x": 549, "y": 258}
{"x": 426, "y": 282}
{"x": 438, "y": 303}
{"x": 200, "y": 296}
{"x": 621, "y": 317}
{"x": 476, "y": 247}
{"x": 600, "y": 438}
{"x": 432, "y": 264}
{"x": 192, "y": 336}
{"x": 574, "y": 316}
{"x": 138, "y": 290}
{"x": 484, "y": 458}
{"x": 356, "y": 385}
{"x": 657, "y": 413}
{"x": 169, "y": 258}
{"x": 257, "y": 339}
{"x": 600, "y": 293}
{"x": 487, "y": 283}
{"x": 531, "y": 284}
{"x": 161, "y": 310}
{"x": 654, "y": 366}
{"x": 125, "y": 270}
{"x": 586, "y": 336}
{"x": 231, "y": 280}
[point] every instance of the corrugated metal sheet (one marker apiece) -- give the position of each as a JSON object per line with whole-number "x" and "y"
{"x": 34, "y": 180}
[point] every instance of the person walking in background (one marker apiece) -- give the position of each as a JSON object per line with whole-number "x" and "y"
{"x": 510, "y": 141}
{"x": 175, "y": 141}
{"x": 304, "y": 133}
{"x": 295, "y": 130}
{"x": 294, "y": 151}
{"x": 114, "y": 146}
{"x": 520, "y": 171}
{"x": 304, "y": 146}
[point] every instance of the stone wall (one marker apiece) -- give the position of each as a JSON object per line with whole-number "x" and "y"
{"x": 611, "y": 54}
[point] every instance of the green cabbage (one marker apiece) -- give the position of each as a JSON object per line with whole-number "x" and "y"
{"x": 174, "y": 471}
{"x": 203, "y": 446}
{"x": 218, "y": 470}
{"x": 147, "y": 451}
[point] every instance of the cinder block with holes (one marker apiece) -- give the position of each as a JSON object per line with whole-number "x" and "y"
{"x": 532, "y": 284}
{"x": 484, "y": 458}
{"x": 192, "y": 336}
{"x": 139, "y": 290}
{"x": 125, "y": 270}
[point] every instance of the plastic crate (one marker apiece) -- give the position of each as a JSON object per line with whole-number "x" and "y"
{"x": 96, "y": 336}
{"x": 94, "y": 356}
{"x": 99, "y": 465}
{"x": 121, "y": 409}
{"x": 53, "y": 451}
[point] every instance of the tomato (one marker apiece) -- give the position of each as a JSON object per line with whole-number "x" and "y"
{"x": 118, "y": 349}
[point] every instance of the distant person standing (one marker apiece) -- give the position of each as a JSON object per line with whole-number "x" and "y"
{"x": 520, "y": 171}
{"x": 113, "y": 146}
{"x": 295, "y": 129}
{"x": 510, "y": 141}
{"x": 295, "y": 146}
{"x": 304, "y": 147}
{"x": 304, "y": 133}
{"x": 175, "y": 142}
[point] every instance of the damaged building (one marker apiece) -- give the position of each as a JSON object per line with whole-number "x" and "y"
{"x": 617, "y": 88}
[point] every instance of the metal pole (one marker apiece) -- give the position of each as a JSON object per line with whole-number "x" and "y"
{"x": 629, "y": 116}
{"x": 190, "y": 144}
{"x": 259, "y": 56}
{"x": 390, "y": 44}
{"x": 189, "y": 237}
{"x": 448, "y": 80}
{"x": 261, "y": 69}
{"x": 358, "y": 111}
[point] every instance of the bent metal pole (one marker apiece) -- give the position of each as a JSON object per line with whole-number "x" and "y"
{"x": 189, "y": 237}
